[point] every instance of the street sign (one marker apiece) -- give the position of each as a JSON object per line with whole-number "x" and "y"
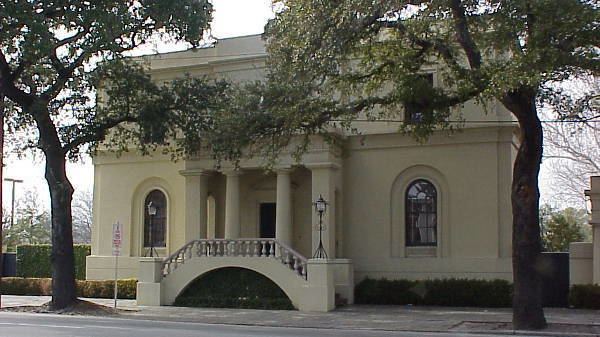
{"x": 117, "y": 238}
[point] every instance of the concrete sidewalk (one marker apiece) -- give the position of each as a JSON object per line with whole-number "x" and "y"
{"x": 563, "y": 322}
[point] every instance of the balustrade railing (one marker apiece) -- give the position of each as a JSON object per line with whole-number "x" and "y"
{"x": 263, "y": 248}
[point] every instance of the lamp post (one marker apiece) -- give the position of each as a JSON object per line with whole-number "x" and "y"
{"x": 152, "y": 209}
{"x": 320, "y": 208}
{"x": 12, "y": 203}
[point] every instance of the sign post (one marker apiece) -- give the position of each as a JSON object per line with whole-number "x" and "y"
{"x": 117, "y": 236}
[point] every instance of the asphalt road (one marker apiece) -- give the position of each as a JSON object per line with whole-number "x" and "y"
{"x": 42, "y": 325}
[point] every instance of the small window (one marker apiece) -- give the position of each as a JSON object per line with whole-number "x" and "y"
{"x": 415, "y": 109}
{"x": 155, "y": 226}
{"x": 421, "y": 214}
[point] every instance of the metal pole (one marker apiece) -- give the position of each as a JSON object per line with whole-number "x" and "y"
{"x": 12, "y": 207}
{"x": 1, "y": 169}
{"x": 116, "y": 276}
{"x": 150, "y": 236}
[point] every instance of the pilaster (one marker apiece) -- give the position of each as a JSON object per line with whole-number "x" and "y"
{"x": 324, "y": 184}
{"x": 594, "y": 194}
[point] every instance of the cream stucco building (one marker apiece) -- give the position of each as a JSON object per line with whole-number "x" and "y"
{"x": 396, "y": 208}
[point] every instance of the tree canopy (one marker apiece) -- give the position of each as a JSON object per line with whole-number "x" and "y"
{"x": 332, "y": 62}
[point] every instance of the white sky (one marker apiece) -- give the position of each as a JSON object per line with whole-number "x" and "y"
{"x": 231, "y": 18}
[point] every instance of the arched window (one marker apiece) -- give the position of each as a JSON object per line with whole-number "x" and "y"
{"x": 421, "y": 214}
{"x": 155, "y": 227}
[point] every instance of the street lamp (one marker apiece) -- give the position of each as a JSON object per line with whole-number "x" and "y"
{"x": 152, "y": 209}
{"x": 12, "y": 203}
{"x": 320, "y": 208}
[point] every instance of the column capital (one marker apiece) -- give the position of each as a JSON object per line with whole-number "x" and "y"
{"x": 195, "y": 172}
{"x": 283, "y": 169}
{"x": 232, "y": 172}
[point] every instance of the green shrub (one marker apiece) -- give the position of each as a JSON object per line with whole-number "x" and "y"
{"x": 239, "y": 303}
{"x": 234, "y": 288}
{"x": 443, "y": 292}
{"x": 34, "y": 260}
{"x": 90, "y": 289}
{"x": 105, "y": 289}
{"x": 26, "y": 286}
{"x": 585, "y": 296}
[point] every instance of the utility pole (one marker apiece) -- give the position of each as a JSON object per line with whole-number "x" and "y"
{"x": 12, "y": 202}
{"x": 1, "y": 170}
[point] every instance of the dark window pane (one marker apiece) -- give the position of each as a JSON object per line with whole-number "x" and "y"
{"x": 415, "y": 109}
{"x": 421, "y": 214}
{"x": 155, "y": 226}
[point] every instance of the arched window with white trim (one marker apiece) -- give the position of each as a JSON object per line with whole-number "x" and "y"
{"x": 155, "y": 226}
{"x": 421, "y": 213}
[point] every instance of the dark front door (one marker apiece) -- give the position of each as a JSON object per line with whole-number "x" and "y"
{"x": 267, "y": 220}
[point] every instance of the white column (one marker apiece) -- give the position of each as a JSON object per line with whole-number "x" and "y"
{"x": 232, "y": 205}
{"x": 283, "y": 212}
{"x": 203, "y": 206}
{"x": 196, "y": 192}
{"x": 323, "y": 184}
{"x": 594, "y": 195}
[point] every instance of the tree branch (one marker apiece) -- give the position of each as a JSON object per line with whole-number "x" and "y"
{"x": 97, "y": 133}
{"x": 64, "y": 74}
{"x": 463, "y": 35}
{"x": 8, "y": 87}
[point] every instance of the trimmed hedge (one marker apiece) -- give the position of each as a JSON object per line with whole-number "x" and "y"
{"x": 237, "y": 303}
{"x": 234, "y": 288}
{"x": 585, "y": 296}
{"x": 34, "y": 260}
{"x": 442, "y": 292}
{"x": 90, "y": 289}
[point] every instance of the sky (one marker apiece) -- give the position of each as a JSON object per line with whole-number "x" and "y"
{"x": 231, "y": 18}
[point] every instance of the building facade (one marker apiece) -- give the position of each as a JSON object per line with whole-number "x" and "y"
{"x": 396, "y": 208}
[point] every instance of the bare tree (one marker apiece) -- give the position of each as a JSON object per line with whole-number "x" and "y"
{"x": 31, "y": 223}
{"x": 573, "y": 143}
{"x": 82, "y": 217}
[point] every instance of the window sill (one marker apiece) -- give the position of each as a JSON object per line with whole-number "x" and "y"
{"x": 424, "y": 251}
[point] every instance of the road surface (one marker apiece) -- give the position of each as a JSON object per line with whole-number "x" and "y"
{"x": 42, "y": 325}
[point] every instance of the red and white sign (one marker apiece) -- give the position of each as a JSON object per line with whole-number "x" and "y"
{"x": 117, "y": 238}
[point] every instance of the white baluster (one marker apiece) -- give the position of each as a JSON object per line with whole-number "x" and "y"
{"x": 218, "y": 252}
{"x": 287, "y": 257}
{"x": 264, "y": 248}
{"x": 304, "y": 270}
{"x": 272, "y": 249}
{"x": 248, "y": 250}
{"x": 199, "y": 251}
{"x": 256, "y": 248}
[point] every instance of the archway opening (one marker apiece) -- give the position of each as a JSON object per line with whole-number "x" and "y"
{"x": 233, "y": 287}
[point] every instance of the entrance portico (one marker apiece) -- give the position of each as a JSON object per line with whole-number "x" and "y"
{"x": 244, "y": 198}
{"x": 239, "y": 192}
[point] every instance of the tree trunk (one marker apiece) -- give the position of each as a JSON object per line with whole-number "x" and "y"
{"x": 528, "y": 312}
{"x": 64, "y": 293}
{"x": 63, "y": 265}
